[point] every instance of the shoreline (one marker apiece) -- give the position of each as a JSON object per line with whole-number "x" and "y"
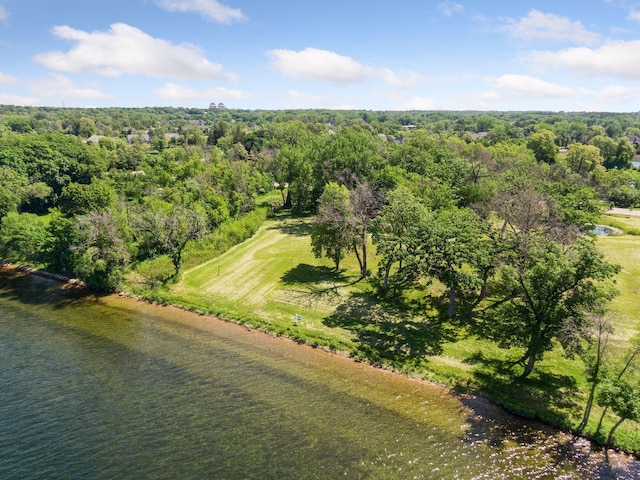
{"x": 476, "y": 402}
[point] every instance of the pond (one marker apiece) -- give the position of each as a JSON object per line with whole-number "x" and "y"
{"x": 108, "y": 387}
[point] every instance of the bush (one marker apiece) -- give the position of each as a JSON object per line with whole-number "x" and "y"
{"x": 223, "y": 238}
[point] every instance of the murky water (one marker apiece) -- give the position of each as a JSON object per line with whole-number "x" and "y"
{"x": 113, "y": 388}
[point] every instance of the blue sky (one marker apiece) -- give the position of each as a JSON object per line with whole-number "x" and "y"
{"x": 425, "y": 55}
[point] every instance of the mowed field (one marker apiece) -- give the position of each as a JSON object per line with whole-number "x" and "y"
{"x": 625, "y": 251}
{"x": 272, "y": 279}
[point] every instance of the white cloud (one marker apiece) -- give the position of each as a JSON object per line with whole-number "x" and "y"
{"x": 612, "y": 94}
{"x": 403, "y": 79}
{"x": 616, "y": 58}
{"x": 59, "y": 86}
{"x": 126, "y": 49}
{"x": 448, "y": 8}
{"x": 634, "y": 15}
{"x": 530, "y": 86}
{"x": 548, "y": 26}
{"x": 6, "y": 99}
{"x": 316, "y": 64}
{"x": 3, "y": 13}
{"x": 210, "y": 9}
{"x": 181, "y": 93}
{"x": 7, "y": 79}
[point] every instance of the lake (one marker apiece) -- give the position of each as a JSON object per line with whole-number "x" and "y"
{"x": 108, "y": 387}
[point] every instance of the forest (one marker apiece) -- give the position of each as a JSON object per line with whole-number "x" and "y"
{"x": 456, "y": 246}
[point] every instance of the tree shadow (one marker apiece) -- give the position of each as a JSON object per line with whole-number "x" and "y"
{"x": 492, "y": 425}
{"x": 32, "y": 288}
{"x": 387, "y": 335}
{"x": 298, "y": 227}
{"x": 304, "y": 273}
{"x": 551, "y": 393}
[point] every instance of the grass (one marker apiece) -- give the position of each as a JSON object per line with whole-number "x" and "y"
{"x": 273, "y": 282}
{"x": 629, "y": 224}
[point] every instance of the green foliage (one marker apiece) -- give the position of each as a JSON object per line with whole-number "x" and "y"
{"x": 543, "y": 145}
{"x": 332, "y": 236}
{"x": 12, "y": 190}
{"x": 80, "y": 199}
{"x": 100, "y": 249}
{"x": 22, "y": 237}
{"x": 583, "y": 159}
{"x": 542, "y": 287}
{"x": 224, "y": 237}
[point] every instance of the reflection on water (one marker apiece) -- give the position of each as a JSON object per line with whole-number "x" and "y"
{"x": 113, "y": 388}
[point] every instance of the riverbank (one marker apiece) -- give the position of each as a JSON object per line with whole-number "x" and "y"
{"x": 272, "y": 283}
{"x": 473, "y": 422}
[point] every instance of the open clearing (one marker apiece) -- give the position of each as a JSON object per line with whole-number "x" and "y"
{"x": 274, "y": 277}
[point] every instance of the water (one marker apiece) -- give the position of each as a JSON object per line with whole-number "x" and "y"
{"x": 107, "y": 387}
{"x": 604, "y": 230}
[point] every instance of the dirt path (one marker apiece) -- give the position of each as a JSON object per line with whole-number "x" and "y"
{"x": 624, "y": 211}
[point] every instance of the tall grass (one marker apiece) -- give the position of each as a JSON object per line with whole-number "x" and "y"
{"x": 201, "y": 250}
{"x": 223, "y": 238}
{"x": 628, "y": 224}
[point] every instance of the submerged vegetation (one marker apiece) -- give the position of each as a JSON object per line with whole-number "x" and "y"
{"x": 453, "y": 246}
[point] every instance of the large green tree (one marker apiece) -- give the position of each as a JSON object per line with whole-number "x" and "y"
{"x": 543, "y": 145}
{"x": 166, "y": 229}
{"x": 101, "y": 249}
{"x": 542, "y": 286}
{"x": 332, "y": 235}
{"x": 453, "y": 246}
{"x": 395, "y": 232}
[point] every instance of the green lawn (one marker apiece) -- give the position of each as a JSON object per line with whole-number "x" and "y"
{"x": 272, "y": 281}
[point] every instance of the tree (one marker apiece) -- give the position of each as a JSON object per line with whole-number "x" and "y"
{"x": 623, "y": 398}
{"x": 608, "y": 149}
{"x": 332, "y": 235}
{"x": 544, "y": 286}
{"x": 13, "y": 188}
{"x": 595, "y": 355}
{"x": 364, "y": 205}
{"x": 395, "y": 231}
{"x": 625, "y": 152}
{"x": 168, "y": 230}
{"x": 583, "y": 159}
{"x": 100, "y": 251}
{"x": 629, "y": 363}
{"x": 81, "y": 199}
{"x": 452, "y": 244}
{"x": 22, "y": 237}
{"x": 542, "y": 143}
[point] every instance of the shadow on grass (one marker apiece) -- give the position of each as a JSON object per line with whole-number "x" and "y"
{"x": 298, "y": 227}
{"x": 545, "y": 396}
{"x": 387, "y": 334}
{"x": 304, "y": 273}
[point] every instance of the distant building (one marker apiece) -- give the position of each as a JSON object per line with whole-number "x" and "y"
{"x": 221, "y": 105}
{"x": 479, "y": 135}
{"x": 144, "y": 137}
{"x": 172, "y": 136}
{"x": 94, "y": 138}
{"x": 212, "y": 106}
